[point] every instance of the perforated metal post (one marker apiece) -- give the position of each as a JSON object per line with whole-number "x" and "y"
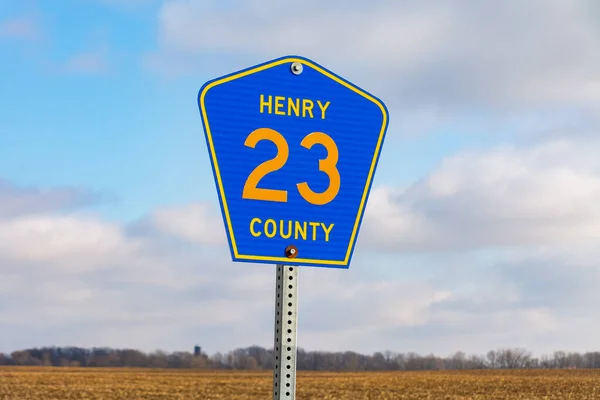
{"x": 286, "y": 318}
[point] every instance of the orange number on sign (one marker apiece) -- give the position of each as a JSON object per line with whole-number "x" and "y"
{"x": 251, "y": 191}
{"x": 327, "y": 165}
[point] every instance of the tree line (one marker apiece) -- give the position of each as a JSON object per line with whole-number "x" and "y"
{"x": 257, "y": 358}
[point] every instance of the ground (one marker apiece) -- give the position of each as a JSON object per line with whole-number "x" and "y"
{"x": 45, "y": 383}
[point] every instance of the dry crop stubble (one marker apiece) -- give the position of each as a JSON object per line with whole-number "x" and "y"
{"x": 46, "y": 383}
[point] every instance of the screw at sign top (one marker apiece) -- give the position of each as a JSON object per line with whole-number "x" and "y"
{"x": 296, "y": 68}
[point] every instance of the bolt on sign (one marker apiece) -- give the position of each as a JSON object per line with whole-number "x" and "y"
{"x": 294, "y": 149}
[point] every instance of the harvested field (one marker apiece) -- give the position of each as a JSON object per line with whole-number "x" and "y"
{"x": 24, "y": 383}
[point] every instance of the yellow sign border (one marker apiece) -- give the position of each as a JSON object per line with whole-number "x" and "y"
{"x": 284, "y": 260}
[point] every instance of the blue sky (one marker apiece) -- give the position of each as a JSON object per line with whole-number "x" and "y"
{"x": 114, "y": 126}
{"x": 96, "y": 126}
{"x": 489, "y": 170}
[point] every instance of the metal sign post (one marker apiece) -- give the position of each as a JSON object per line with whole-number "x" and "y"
{"x": 286, "y": 318}
{"x": 294, "y": 149}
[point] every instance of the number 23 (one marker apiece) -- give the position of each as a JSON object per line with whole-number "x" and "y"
{"x": 327, "y": 165}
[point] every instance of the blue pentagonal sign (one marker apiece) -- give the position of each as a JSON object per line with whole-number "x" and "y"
{"x": 294, "y": 148}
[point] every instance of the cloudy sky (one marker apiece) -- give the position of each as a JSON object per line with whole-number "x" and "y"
{"x": 482, "y": 228}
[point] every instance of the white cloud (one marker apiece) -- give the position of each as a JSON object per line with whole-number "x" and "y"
{"x": 67, "y": 241}
{"x": 415, "y": 54}
{"x": 353, "y": 304}
{"x": 129, "y": 5}
{"x": 22, "y": 27}
{"x": 182, "y": 290}
{"x": 101, "y": 283}
{"x": 92, "y": 61}
{"x": 541, "y": 195}
{"x": 17, "y": 200}
{"x": 198, "y": 223}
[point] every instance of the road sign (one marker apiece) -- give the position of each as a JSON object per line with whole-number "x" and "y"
{"x": 294, "y": 149}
